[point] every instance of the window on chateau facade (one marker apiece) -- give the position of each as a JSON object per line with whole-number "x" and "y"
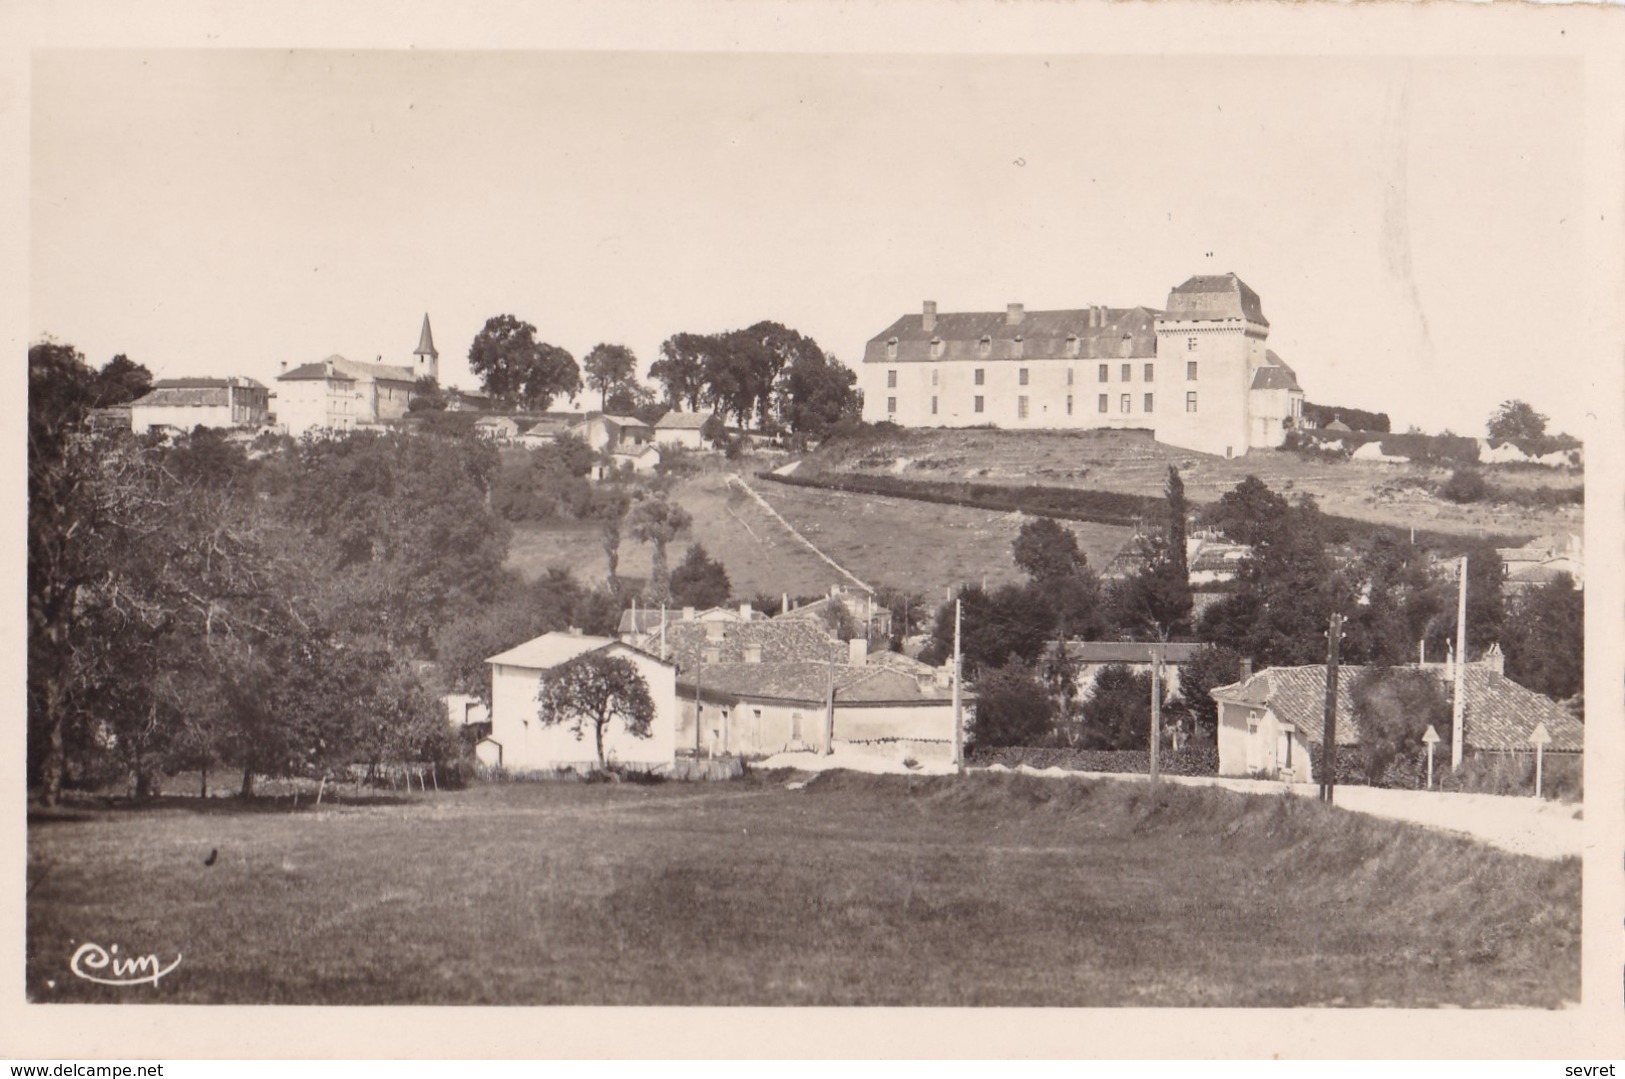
{"x": 1190, "y": 370}
{"x": 1069, "y": 404}
{"x": 1021, "y": 376}
{"x": 1190, "y": 344}
{"x": 933, "y": 376}
{"x": 933, "y": 406}
{"x": 1103, "y": 400}
{"x": 978, "y": 404}
{"x": 1190, "y": 401}
{"x": 1128, "y": 372}
{"x": 1069, "y": 376}
{"x": 1105, "y": 372}
{"x": 1021, "y": 408}
{"x": 1148, "y": 402}
{"x": 985, "y": 345}
{"x": 891, "y": 380}
{"x": 981, "y": 375}
{"x": 891, "y": 404}
{"x": 1127, "y": 402}
{"x": 1149, "y": 371}
{"x": 891, "y": 348}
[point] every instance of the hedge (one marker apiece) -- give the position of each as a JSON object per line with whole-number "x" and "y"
{"x": 1101, "y": 507}
{"x": 1190, "y": 761}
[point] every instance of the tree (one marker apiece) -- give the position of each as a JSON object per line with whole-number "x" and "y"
{"x": 1486, "y": 604}
{"x": 1117, "y": 711}
{"x": 1515, "y": 421}
{"x": 1544, "y": 638}
{"x": 634, "y": 399}
{"x": 609, "y": 367}
{"x": 518, "y": 370}
{"x": 699, "y": 581}
{"x": 815, "y": 393}
{"x": 1156, "y": 600}
{"x": 681, "y": 369}
{"x": 1012, "y": 707}
{"x": 1047, "y": 551}
{"x": 427, "y": 396}
{"x": 1012, "y": 620}
{"x": 1245, "y": 513}
{"x": 120, "y": 381}
{"x": 1393, "y": 708}
{"x": 592, "y": 691}
{"x": 657, "y": 521}
{"x": 608, "y": 510}
{"x": 1213, "y": 666}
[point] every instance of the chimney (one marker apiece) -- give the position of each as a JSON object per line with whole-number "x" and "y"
{"x": 753, "y": 653}
{"x": 1494, "y": 659}
{"x": 745, "y": 613}
{"x": 575, "y": 631}
{"x": 1014, "y": 313}
{"x": 857, "y": 651}
{"x": 688, "y": 614}
{"x": 928, "y": 321}
{"x": 1246, "y": 670}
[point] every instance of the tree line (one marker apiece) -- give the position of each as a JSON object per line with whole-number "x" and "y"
{"x": 765, "y": 376}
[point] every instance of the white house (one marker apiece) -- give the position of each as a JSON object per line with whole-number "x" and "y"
{"x": 185, "y": 403}
{"x": 520, "y": 742}
{"x": 1268, "y": 721}
{"x": 684, "y": 429}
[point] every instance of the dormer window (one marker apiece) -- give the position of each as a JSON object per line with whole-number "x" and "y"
{"x": 1021, "y": 348}
{"x": 936, "y": 348}
{"x": 1072, "y": 345}
{"x": 985, "y": 345}
{"x": 891, "y": 348}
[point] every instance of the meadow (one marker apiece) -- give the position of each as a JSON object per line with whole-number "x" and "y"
{"x": 780, "y": 889}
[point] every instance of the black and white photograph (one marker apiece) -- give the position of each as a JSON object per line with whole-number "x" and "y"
{"x": 1038, "y": 524}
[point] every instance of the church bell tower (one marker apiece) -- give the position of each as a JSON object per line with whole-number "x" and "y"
{"x": 428, "y": 362}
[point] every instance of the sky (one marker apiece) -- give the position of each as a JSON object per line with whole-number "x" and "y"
{"x": 1411, "y": 224}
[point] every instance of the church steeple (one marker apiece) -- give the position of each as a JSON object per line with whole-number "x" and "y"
{"x": 428, "y": 365}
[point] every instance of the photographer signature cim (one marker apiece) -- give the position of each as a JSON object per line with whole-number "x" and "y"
{"x": 92, "y": 962}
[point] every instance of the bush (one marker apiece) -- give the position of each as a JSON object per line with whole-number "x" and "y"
{"x": 1465, "y": 485}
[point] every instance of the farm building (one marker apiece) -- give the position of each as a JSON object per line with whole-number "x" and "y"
{"x": 519, "y": 742}
{"x": 1196, "y": 374}
{"x": 685, "y": 429}
{"x": 1269, "y": 720}
{"x": 614, "y": 433}
{"x": 185, "y": 403}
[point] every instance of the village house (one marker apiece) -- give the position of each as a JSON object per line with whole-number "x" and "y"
{"x": 614, "y": 433}
{"x": 755, "y": 687}
{"x": 1268, "y": 721}
{"x": 639, "y": 462}
{"x": 1541, "y": 560}
{"x": 875, "y": 619}
{"x": 520, "y": 742}
{"x": 343, "y": 395}
{"x": 180, "y": 404}
{"x": 1092, "y": 657}
{"x": 685, "y": 429}
{"x": 1196, "y": 374}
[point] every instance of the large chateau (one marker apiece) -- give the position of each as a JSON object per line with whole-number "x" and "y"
{"x": 1196, "y": 374}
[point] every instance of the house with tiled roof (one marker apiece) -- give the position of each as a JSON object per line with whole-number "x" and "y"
{"x": 184, "y": 403}
{"x": 1089, "y": 658}
{"x": 1196, "y": 372}
{"x": 858, "y": 603}
{"x": 341, "y": 395}
{"x": 685, "y": 429}
{"x": 1268, "y": 721}
{"x": 520, "y": 742}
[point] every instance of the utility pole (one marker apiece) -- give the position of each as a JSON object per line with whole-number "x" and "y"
{"x": 829, "y": 710}
{"x": 959, "y": 724}
{"x": 1328, "y": 780}
{"x": 1458, "y": 706}
{"x": 1156, "y": 707}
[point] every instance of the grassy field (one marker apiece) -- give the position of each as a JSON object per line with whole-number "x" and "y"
{"x": 987, "y": 890}
{"x": 1131, "y": 462}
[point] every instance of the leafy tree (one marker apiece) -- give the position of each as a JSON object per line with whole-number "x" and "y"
{"x": 681, "y": 369}
{"x": 1012, "y": 707}
{"x": 1357, "y": 418}
{"x": 518, "y": 370}
{"x": 1213, "y": 666}
{"x": 427, "y": 396}
{"x": 634, "y": 399}
{"x": 1486, "y": 604}
{"x": 1047, "y": 551}
{"x": 608, "y": 510}
{"x": 700, "y": 581}
{"x": 909, "y": 612}
{"x": 1515, "y": 421}
{"x": 120, "y": 381}
{"x": 815, "y": 393}
{"x": 1394, "y": 707}
{"x": 657, "y": 521}
{"x": 609, "y": 367}
{"x": 1012, "y": 620}
{"x": 1544, "y": 638}
{"x": 594, "y": 690}
{"x": 1117, "y": 711}
{"x": 1247, "y": 512}
{"x": 1465, "y": 485}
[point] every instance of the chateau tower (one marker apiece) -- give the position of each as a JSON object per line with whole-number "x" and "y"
{"x": 428, "y": 362}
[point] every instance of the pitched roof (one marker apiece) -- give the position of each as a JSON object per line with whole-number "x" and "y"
{"x": 682, "y": 421}
{"x": 1499, "y": 714}
{"x": 349, "y": 371}
{"x": 425, "y": 340}
{"x": 687, "y": 642}
{"x": 808, "y": 682}
{"x": 184, "y": 397}
{"x": 1275, "y": 375}
{"x": 1215, "y": 298}
{"x": 312, "y": 372}
{"x": 1039, "y": 335}
{"x": 551, "y": 649}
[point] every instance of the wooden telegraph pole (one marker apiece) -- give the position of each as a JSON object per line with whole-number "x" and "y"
{"x": 1156, "y": 707}
{"x": 1328, "y": 780}
{"x": 1458, "y": 706}
{"x": 959, "y": 724}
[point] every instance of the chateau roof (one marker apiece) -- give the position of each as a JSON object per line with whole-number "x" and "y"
{"x": 1215, "y": 298}
{"x": 1100, "y": 333}
{"x": 1275, "y": 375}
{"x": 349, "y": 371}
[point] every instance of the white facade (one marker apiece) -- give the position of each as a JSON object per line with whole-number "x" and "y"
{"x": 523, "y": 744}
